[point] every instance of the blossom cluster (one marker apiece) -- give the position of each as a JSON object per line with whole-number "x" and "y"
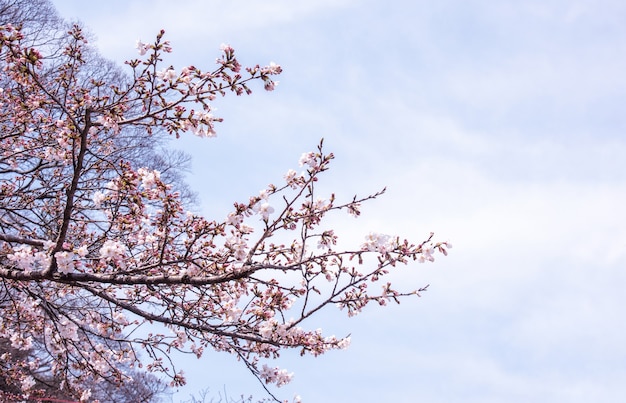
{"x": 27, "y": 258}
{"x": 275, "y": 375}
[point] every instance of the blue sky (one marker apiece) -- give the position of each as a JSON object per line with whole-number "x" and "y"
{"x": 499, "y": 125}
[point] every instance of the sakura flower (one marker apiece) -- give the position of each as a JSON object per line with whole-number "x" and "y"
{"x": 206, "y": 130}
{"x": 321, "y": 204}
{"x": 166, "y": 47}
{"x": 54, "y": 154}
{"x": 108, "y": 122}
{"x": 166, "y": 74}
{"x": 231, "y": 311}
{"x": 112, "y": 185}
{"x": 181, "y": 337}
{"x": 344, "y": 343}
{"x": 82, "y": 251}
{"x": 84, "y": 397}
{"x": 26, "y": 259}
{"x": 273, "y": 68}
{"x": 239, "y": 246}
{"x": 270, "y": 85}
{"x": 234, "y": 219}
{"x": 20, "y": 343}
{"x": 65, "y": 261}
{"x": 196, "y": 350}
{"x": 206, "y": 116}
{"x": 264, "y": 194}
{"x": 308, "y": 159}
{"x": 68, "y": 330}
{"x": 148, "y": 177}
{"x": 275, "y": 375}
{"x": 291, "y": 177}
{"x": 226, "y": 48}
{"x": 245, "y": 229}
{"x": 375, "y": 242}
{"x": 28, "y": 383}
{"x": 327, "y": 238}
{"x": 427, "y": 253}
{"x": 63, "y": 141}
{"x": 354, "y": 209}
{"x": 264, "y": 209}
{"x": 120, "y": 318}
{"x": 111, "y": 250}
{"x": 23, "y": 258}
{"x": 266, "y": 329}
{"x": 141, "y": 47}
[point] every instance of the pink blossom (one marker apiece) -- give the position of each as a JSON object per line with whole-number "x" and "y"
{"x": 264, "y": 209}
{"x": 308, "y": 159}
{"x": 275, "y": 375}
{"x": 427, "y": 253}
{"x": 226, "y": 48}
{"x": 98, "y": 198}
{"x": 21, "y": 343}
{"x": 381, "y": 243}
{"x": 149, "y": 178}
{"x": 27, "y": 259}
{"x": 141, "y": 47}
{"x": 234, "y": 219}
{"x": 239, "y": 247}
{"x": 291, "y": 177}
{"x": 266, "y": 330}
{"x": 344, "y": 343}
{"x": 321, "y": 204}
{"x": 82, "y": 251}
{"x": 109, "y": 123}
{"x": 203, "y": 129}
{"x": 166, "y": 74}
{"x": 65, "y": 261}
{"x": 120, "y": 318}
{"x": 84, "y": 397}
{"x": 273, "y": 68}
{"x": 354, "y": 209}
{"x": 326, "y": 239}
{"x": 111, "y": 250}
{"x": 270, "y": 85}
{"x": 23, "y": 257}
{"x": 28, "y": 382}
{"x": 68, "y": 330}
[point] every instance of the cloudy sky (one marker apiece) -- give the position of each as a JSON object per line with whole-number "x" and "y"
{"x": 499, "y": 125}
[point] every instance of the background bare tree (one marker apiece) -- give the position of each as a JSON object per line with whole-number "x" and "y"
{"x": 43, "y": 28}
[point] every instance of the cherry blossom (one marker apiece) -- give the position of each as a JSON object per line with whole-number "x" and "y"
{"x": 84, "y": 397}
{"x": 142, "y": 48}
{"x": 65, "y": 261}
{"x": 263, "y": 209}
{"x": 275, "y": 375}
{"x": 167, "y": 75}
{"x": 97, "y": 247}
{"x": 308, "y": 159}
{"x": 111, "y": 250}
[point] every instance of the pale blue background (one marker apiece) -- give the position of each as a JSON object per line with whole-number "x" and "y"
{"x": 500, "y": 125}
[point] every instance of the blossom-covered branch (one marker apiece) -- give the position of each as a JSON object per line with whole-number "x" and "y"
{"x": 93, "y": 246}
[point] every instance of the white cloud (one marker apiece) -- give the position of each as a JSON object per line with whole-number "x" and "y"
{"x": 192, "y": 25}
